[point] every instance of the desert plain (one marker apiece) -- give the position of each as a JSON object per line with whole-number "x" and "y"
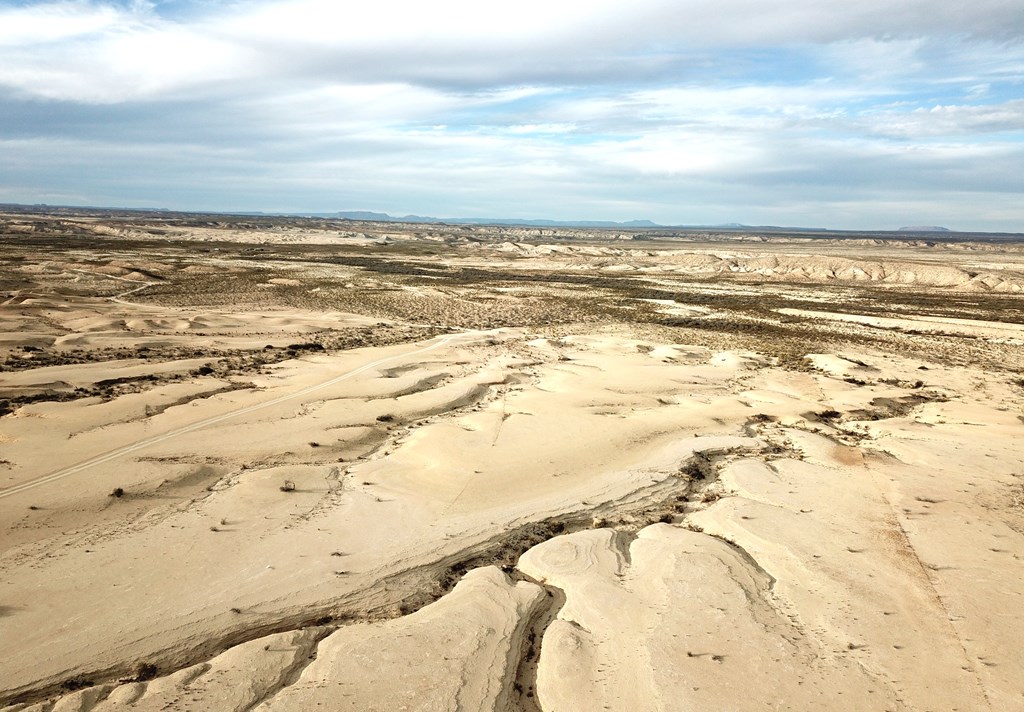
{"x": 295, "y": 464}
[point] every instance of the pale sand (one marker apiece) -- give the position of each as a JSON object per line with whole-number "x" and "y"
{"x": 857, "y": 544}
{"x": 591, "y": 429}
{"x": 1000, "y": 332}
{"x": 887, "y": 570}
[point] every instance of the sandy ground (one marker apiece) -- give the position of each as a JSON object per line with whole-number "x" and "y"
{"x": 254, "y": 501}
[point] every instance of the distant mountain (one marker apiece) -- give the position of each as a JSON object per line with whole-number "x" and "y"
{"x": 757, "y": 228}
{"x": 357, "y": 215}
{"x": 629, "y": 224}
{"x": 371, "y": 216}
{"x": 384, "y": 217}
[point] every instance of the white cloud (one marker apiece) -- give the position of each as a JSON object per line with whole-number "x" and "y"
{"x": 531, "y": 108}
{"x": 948, "y": 120}
{"x": 97, "y": 51}
{"x": 49, "y": 23}
{"x": 541, "y": 129}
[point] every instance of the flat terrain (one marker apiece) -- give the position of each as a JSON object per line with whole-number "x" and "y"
{"x": 285, "y": 464}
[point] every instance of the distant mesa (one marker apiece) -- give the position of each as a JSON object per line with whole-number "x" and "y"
{"x": 925, "y": 228}
{"x": 364, "y": 215}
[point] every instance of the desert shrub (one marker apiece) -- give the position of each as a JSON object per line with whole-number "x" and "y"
{"x": 145, "y": 671}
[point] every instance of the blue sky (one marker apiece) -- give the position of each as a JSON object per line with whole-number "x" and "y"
{"x": 870, "y": 115}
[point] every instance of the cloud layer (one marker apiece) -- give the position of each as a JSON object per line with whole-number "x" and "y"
{"x": 792, "y": 111}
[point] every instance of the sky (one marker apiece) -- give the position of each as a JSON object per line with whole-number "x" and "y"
{"x": 817, "y": 113}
